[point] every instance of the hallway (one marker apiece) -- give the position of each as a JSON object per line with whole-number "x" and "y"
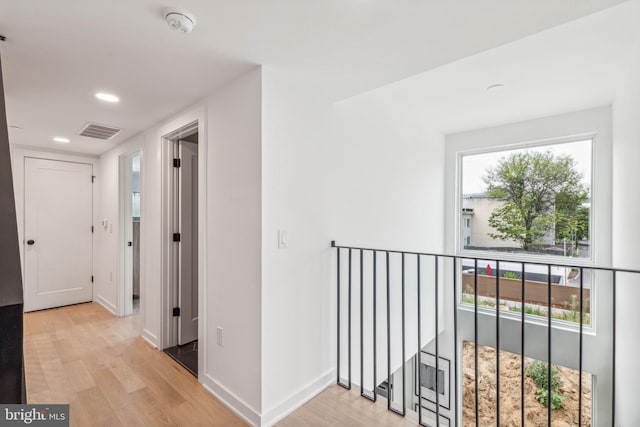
{"x": 85, "y": 356}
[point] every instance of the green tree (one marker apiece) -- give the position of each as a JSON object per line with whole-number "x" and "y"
{"x": 539, "y": 191}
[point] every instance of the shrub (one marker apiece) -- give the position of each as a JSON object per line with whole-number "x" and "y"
{"x": 543, "y": 396}
{"x": 511, "y": 275}
{"x": 538, "y": 372}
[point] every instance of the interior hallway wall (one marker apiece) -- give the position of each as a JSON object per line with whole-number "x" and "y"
{"x": 344, "y": 172}
{"x": 107, "y": 238}
{"x": 232, "y": 125}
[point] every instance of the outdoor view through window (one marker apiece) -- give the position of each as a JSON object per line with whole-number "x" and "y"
{"x": 529, "y": 201}
{"x": 534, "y": 200}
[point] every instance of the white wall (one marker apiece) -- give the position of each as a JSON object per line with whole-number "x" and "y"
{"x": 340, "y": 172}
{"x": 297, "y": 360}
{"x": 107, "y": 240}
{"x": 234, "y": 235}
{"x": 626, "y": 229}
{"x": 232, "y": 287}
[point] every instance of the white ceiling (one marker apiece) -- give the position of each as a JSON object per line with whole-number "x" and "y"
{"x": 575, "y": 66}
{"x": 58, "y": 54}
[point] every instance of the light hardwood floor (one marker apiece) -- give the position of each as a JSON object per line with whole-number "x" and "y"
{"x": 84, "y": 356}
{"x": 337, "y": 406}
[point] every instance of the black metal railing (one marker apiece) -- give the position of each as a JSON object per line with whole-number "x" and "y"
{"x": 441, "y": 276}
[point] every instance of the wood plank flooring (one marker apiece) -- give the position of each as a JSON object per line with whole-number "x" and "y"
{"x": 337, "y": 406}
{"x": 84, "y": 356}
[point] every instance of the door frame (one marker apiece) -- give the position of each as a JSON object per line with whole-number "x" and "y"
{"x": 125, "y": 262}
{"x": 168, "y": 327}
{"x": 18, "y": 157}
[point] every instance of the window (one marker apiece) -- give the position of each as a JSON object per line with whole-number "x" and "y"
{"x": 528, "y": 203}
{"x": 531, "y": 200}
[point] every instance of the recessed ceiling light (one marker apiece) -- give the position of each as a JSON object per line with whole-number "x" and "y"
{"x": 495, "y": 88}
{"x": 61, "y": 140}
{"x": 107, "y": 97}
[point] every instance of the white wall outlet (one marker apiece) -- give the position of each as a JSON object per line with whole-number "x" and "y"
{"x": 219, "y": 336}
{"x": 283, "y": 239}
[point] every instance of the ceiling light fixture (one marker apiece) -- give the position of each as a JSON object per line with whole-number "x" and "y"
{"x": 61, "y": 140}
{"x": 107, "y": 97}
{"x": 495, "y": 88}
{"x": 179, "y": 20}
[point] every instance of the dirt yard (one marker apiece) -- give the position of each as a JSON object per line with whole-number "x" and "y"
{"x": 510, "y": 395}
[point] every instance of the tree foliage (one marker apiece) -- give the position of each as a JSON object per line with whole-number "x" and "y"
{"x": 541, "y": 193}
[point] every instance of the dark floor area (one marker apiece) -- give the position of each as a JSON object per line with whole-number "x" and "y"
{"x": 186, "y": 355}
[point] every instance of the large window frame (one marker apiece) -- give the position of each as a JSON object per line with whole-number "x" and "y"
{"x": 554, "y": 260}
{"x": 520, "y": 257}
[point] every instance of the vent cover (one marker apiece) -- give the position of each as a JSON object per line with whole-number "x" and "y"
{"x": 95, "y": 130}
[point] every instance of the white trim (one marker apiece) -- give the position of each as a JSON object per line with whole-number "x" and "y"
{"x": 523, "y": 257}
{"x": 124, "y": 305}
{"x": 166, "y": 325}
{"x": 106, "y": 304}
{"x": 203, "y": 179}
{"x": 230, "y": 400}
{"x": 295, "y": 400}
{"x": 150, "y": 338}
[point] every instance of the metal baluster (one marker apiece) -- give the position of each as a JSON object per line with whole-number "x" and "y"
{"x": 455, "y": 338}
{"x": 549, "y": 345}
{"x": 613, "y": 345}
{"x": 437, "y": 344}
{"x": 375, "y": 333}
{"x": 419, "y": 354}
{"x": 498, "y": 342}
{"x": 475, "y": 333}
{"x": 580, "y": 351}
{"x": 338, "y": 331}
{"x": 361, "y": 323}
{"x": 404, "y": 364}
{"x": 349, "y": 322}
{"x": 388, "y": 340}
{"x": 522, "y": 325}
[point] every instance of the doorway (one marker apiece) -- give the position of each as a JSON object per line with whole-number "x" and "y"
{"x": 130, "y": 229}
{"x": 183, "y": 256}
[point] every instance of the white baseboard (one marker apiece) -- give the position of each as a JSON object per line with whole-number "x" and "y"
{"x": 297, "y": 399}
{"x": 106, "y": 304}
{"x": 230, "y": 400}
{"x": 150, "y": 338}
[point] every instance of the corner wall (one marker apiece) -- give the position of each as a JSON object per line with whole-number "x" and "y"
{"x": 331, "y": 171}
{"x": 625, "y": 233}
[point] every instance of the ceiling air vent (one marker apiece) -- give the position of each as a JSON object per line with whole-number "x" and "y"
{"x": 94, "y": 130}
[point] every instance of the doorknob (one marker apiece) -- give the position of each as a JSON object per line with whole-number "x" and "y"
{"x": 129, "y": 243}
{"x": 30, "y": 242}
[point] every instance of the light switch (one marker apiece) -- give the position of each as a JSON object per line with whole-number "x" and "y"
{"x": 283, "y": 239}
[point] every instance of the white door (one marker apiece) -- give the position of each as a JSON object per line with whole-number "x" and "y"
{"x": 188, "y": 258}
{"x": 58, "y": 239}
